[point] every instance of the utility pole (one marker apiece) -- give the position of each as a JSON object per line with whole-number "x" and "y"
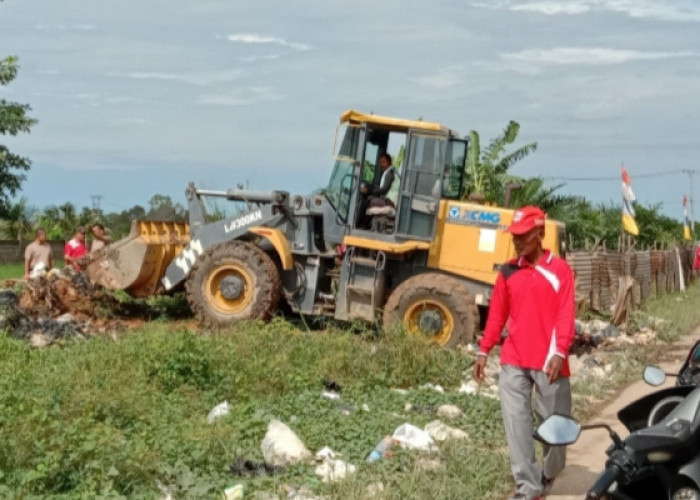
{"x": 690, "y": 174}
{"x": 96, "y": 205}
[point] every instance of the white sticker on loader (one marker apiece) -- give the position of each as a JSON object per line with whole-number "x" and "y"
{"x": 243, "y": 221}
{"x": 189, "y": 255}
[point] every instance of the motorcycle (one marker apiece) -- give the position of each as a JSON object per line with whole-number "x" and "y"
{"x": 652, "y": 408}
{"x": 660, "y": 458}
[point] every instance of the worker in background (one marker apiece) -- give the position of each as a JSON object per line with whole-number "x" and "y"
{"x": 534, "y": 294}
{"x": 75, "y": 250}
{"x": 100, "y": 238}
{"x": 375, "y": 196}
{"x": 38, "y": 257}
{"x": 696, "y": 260}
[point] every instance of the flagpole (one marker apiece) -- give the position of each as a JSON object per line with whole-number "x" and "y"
{"x": 692, "y": 198}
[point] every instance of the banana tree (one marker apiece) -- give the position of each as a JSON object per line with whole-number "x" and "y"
{"x": 486, "y": 170}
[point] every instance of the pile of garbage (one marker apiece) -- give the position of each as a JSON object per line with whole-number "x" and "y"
{"x": 59, "y": 305}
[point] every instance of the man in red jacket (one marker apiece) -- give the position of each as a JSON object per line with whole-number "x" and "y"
{"x": 534, "y": 295}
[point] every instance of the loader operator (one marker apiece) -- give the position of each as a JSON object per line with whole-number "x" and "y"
{"x": 534, "y": 294}
{"x": 75, "y": 250}
{"x": 375, "y": 196}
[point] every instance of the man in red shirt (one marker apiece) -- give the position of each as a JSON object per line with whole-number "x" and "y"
{"x": 696, "y": 260}
{"x": 75, "y": 249}
{"x": 534, "y": 295}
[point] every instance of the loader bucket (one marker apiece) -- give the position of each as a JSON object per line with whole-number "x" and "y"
{"x": 137, "y": 263}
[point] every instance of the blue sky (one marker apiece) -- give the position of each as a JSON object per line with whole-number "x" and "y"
{"x": 140, "y": 97}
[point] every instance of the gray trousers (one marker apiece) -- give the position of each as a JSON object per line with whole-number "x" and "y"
{"x": 515, "y": 389}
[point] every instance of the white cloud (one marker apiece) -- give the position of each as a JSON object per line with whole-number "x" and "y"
{"x": 201, "y": 78}
{"x": 553, "y": 8}
{"x": 443, "y": 79}
{"x": 669, "y": 10}
{"x": 65, "y": 27}
{"x": 250, "y": 59}
{"x": 241, "y": 97}
{"x": 589, "y": 56}
{"x": 130, "y": 121}
{"x": 251, "y": 38}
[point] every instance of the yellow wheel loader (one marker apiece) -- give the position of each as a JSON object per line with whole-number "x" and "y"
{"x": 420, "y": 257}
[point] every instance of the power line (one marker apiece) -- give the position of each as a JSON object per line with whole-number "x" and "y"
{"x": 617, "y": 177}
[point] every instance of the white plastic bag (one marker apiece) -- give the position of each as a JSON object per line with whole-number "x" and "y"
{"x": 223, "y": 408}
{"x": 281, "y": 447}
{"x": 411, "y": 437}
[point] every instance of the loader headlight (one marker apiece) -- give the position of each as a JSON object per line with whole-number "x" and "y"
{"x": 656, "y": 457}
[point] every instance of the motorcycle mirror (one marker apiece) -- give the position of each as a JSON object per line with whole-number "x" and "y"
{"x": 558, "y": 430}
{"x": 653, "y": 375}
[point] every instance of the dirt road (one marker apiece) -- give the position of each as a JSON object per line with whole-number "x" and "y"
{"x": 586, "y": 457}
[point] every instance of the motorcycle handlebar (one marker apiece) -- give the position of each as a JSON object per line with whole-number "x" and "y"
{"x": 601, "y": 485}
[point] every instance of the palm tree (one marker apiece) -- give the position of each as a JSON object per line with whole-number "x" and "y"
{"x": 17, "y": 221}
{"x": 68, "y": 219}
{"x": 486, "y": 171}
{"x": 535, "y": 191}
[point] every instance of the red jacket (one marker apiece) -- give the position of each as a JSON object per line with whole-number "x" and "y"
{"x": 537, "y": 302}
{"x": 696, "y": 261}
{"x": 74, "y": 250}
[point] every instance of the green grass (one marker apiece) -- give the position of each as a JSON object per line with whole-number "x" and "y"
{"x": 11, "y": 271}
{"x": 108, "y": 417}
{"x": 112, "y": 417}
{"x": 16, "y": 271}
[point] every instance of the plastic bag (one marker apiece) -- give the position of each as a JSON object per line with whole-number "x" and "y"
{"x": 411, "y": 437}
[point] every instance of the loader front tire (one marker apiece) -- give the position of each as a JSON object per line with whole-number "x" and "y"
{"x": 435, "y": 306}
{"x": 231, "y": 282}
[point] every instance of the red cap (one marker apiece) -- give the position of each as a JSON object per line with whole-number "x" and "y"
{"x": 526, "y": 219}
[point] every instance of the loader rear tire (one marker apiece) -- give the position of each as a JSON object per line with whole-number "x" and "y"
{"x": 232, "y": 282}
{"x": 436, "y": 306}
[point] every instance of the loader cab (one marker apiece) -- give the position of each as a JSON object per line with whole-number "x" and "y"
{"x": 429, "y": 163}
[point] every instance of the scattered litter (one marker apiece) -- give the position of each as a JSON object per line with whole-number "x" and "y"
{"x": 442, "y": 432}
{"x": 330, "y": 395}
{"x": 449, "y": 411}
{"x": 65, "y": 319}
{"x": 39, "y": 339}
{"x": 470, "y": 387}
{"x": 234, "y": 492}
{"x": 79, "y": 310}
{"x": 332, "y": 385}
{"x": 281, "y": 447}
{"x": 437, "y": 388}
{"x": 411, "y": 437}
{"x": 220, "y": 410}
{"x": 325, "y": 453}
{"x": 334, "y": 470}
{"x": 365, "y": 407}
{"x": 381, "y": 450}
{"x": 403, "y": 392}
{"x": 242, "y": 467}
{"x": 429, "y": 409}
